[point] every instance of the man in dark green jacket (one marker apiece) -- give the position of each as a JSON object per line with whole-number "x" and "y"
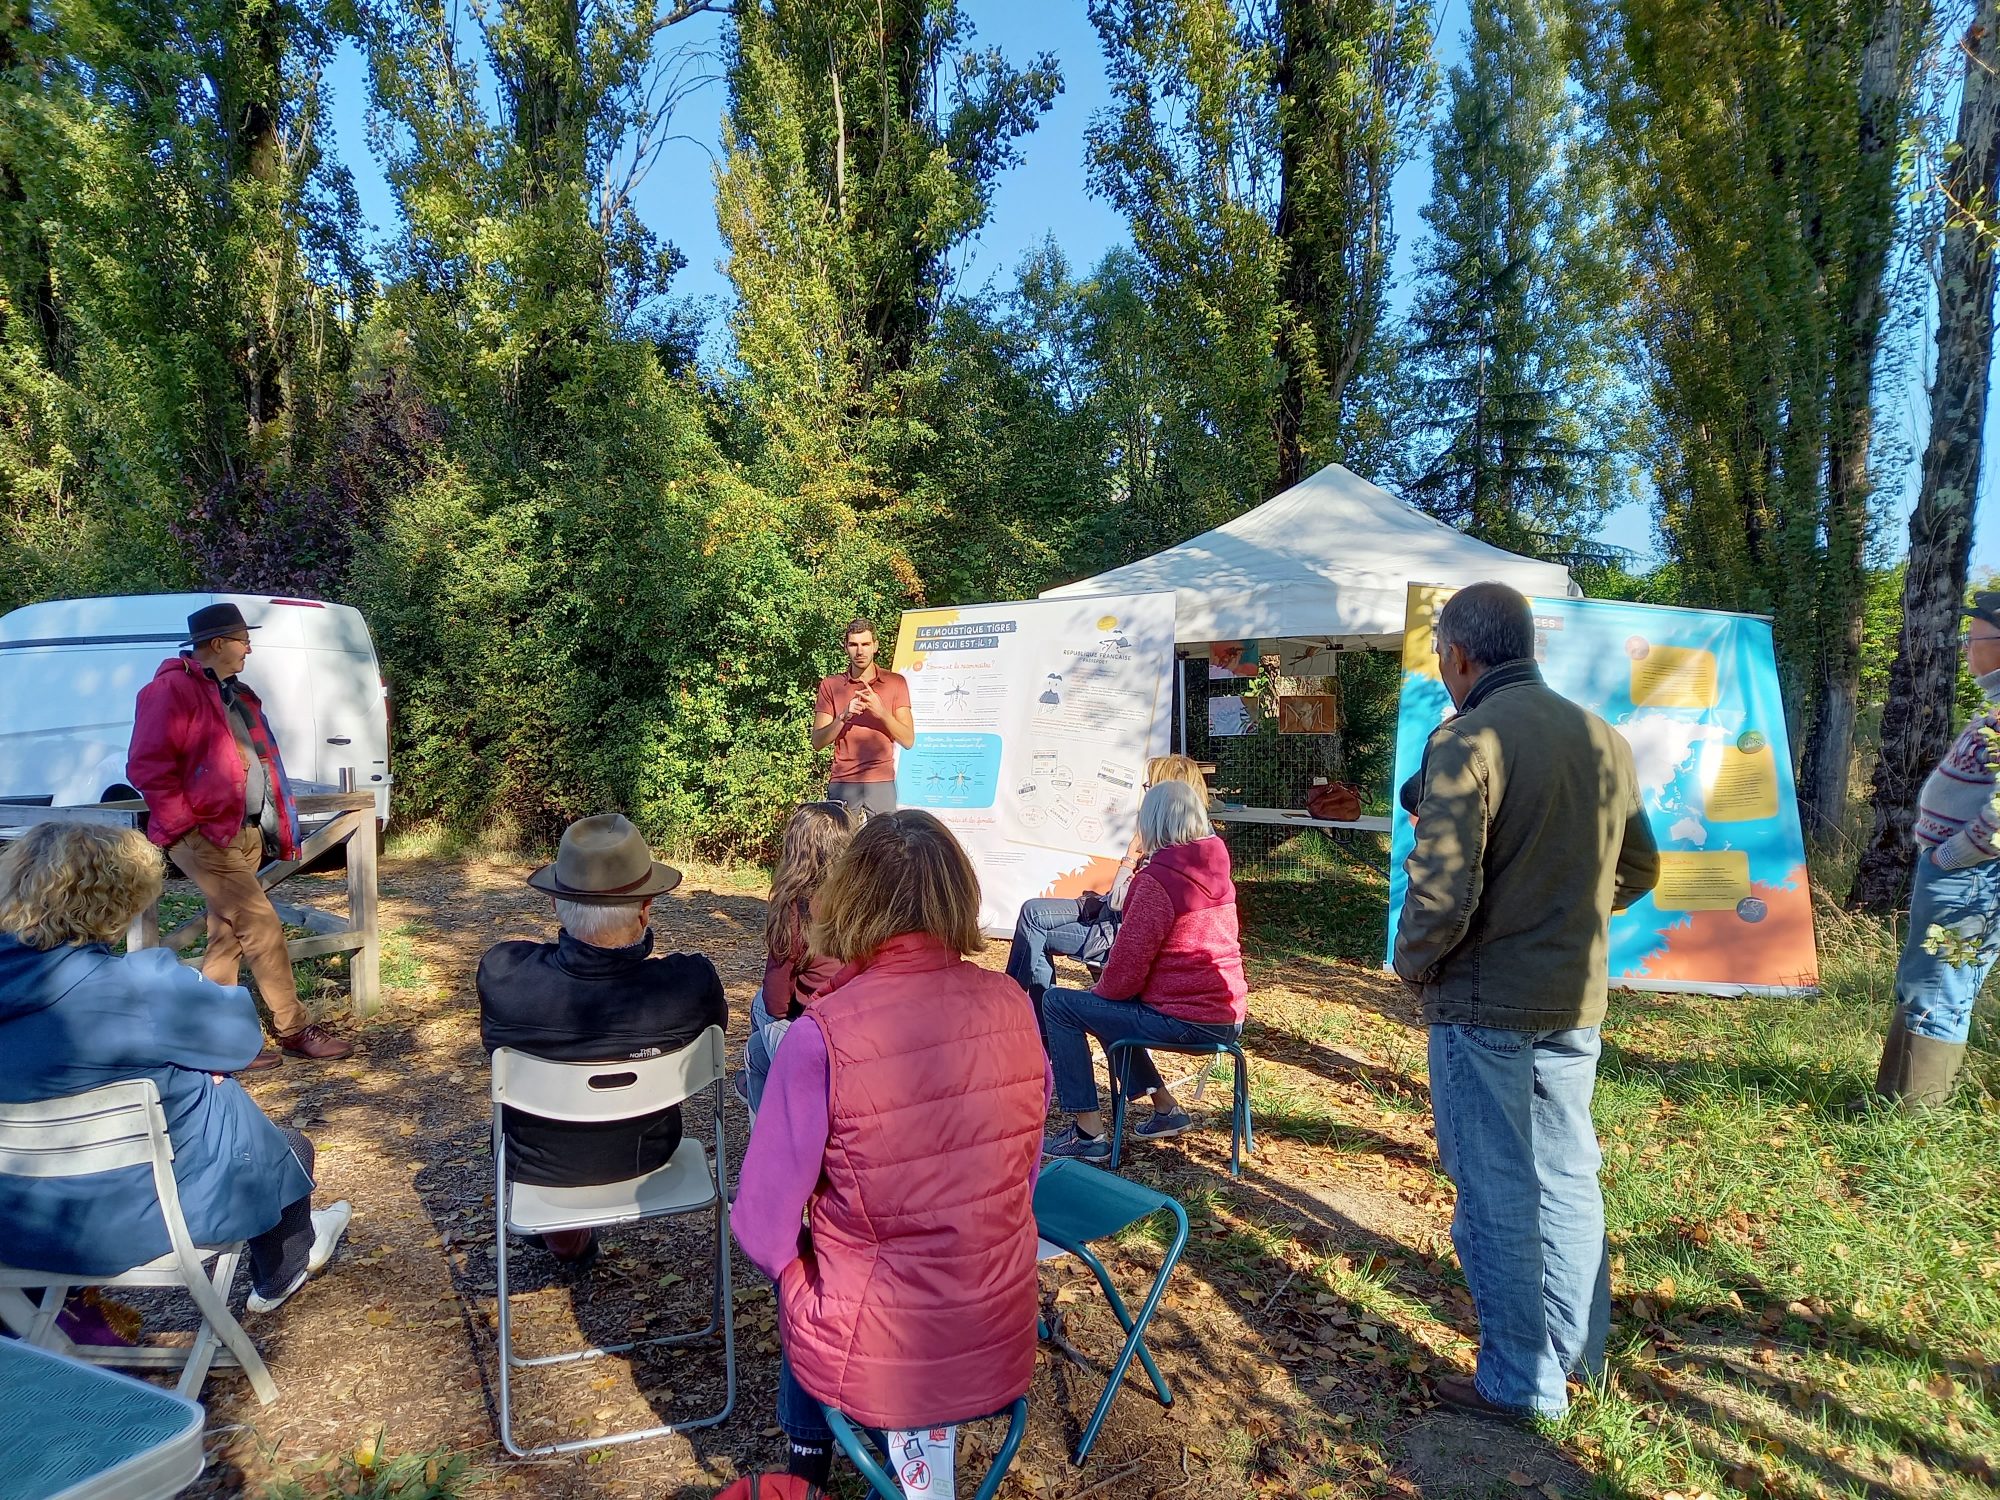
{"x": 1530, "y": 833}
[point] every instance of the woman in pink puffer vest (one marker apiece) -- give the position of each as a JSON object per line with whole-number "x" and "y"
{"x": 902, "y": 1119}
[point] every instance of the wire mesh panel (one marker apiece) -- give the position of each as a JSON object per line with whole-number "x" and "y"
{"x": 1271, "y": 736}
{"x": 1314, "y": 892}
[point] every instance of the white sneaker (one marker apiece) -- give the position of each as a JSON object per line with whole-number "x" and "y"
{"x": 329, "y": 1224}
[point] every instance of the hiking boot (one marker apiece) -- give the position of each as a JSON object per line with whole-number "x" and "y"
{"x": 264, "y": 1061}
{"x": 1074, "y": 1145}
{"x": 1164, "y": 1125}
{"x": 1462, "y": 1392}
{"x": 329, "y": 1224}
{"x": 317, "y": 1043}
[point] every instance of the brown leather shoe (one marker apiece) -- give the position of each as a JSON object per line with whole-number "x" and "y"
{"x": 264, "y": 1061}
{"x": 1459, "y": 1391}
{"x": 316, "y": 1043}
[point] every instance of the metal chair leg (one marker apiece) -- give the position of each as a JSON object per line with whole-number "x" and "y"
{"x": 721, "y": 1313}
{"x": 1112, "y": 1060}
{"x": 1135, "y": 1338}
{"x": 1124, "y": 1317}
{"x": 209, "y": 1299}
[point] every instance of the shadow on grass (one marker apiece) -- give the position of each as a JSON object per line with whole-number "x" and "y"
{"x": 1734, "y": 1398}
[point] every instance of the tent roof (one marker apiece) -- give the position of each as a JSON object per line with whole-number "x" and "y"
{"x": 1331, "y": 559}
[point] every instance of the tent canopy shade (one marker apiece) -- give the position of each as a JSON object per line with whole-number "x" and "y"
{"x": 1328, "y": 562}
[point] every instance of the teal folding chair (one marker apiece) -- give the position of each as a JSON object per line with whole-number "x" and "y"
{"x": 861, "y": 1453}
{"x": 1118, "y": 1054}
{"x": 1076, "y": 1203}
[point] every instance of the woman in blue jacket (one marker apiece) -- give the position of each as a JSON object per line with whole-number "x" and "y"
{"x": 74, "y": 1015}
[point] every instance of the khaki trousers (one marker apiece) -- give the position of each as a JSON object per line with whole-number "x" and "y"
{"x": 242, "y": 923}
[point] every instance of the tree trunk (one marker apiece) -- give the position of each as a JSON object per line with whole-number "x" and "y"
{"x": 1829, "y": 751}
{"x": 254, "y": 82}
{"x": 1916, "y": 721}
{"x": 38, "y": 284}
{"x": 548, "y": 113}
{"x": 1298, "y": 288}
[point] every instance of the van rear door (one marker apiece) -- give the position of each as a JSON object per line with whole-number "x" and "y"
{"x": 350, "y": 709}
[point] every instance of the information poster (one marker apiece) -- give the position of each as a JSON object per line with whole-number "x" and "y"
{"x": 1034, "y": 725}
{"x": 1695, "y": 693}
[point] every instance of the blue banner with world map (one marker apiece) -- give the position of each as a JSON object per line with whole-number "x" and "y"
{"x": 1695, "y": 694}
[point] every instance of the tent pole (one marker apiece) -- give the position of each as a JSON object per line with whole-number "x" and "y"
{"x": 1180, "y": 686}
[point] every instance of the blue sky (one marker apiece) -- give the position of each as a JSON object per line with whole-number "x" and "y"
{"x": 1047, "y": 195}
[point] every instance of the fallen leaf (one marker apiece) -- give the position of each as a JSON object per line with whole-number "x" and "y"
{"x": 1521, "y": 1479}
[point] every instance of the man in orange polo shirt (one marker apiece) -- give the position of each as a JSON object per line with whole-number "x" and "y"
{"x": 864, "y": 713}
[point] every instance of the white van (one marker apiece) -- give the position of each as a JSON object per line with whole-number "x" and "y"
{"x": 71, "y": 670}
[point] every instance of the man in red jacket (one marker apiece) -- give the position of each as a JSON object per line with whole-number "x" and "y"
{"x": 204, "y": 758}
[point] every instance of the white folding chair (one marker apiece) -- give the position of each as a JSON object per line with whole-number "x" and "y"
{"x": 600, "y": 1093}
{"x": 122, "y": 1125}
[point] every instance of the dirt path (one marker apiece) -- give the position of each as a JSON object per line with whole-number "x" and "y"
{"x": 1315, "y": 1296}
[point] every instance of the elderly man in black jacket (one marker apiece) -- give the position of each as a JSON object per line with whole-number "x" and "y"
{"x": 596, "y": 994}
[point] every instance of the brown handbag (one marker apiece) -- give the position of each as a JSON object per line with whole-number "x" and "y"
{"x": 1336, "y": 802}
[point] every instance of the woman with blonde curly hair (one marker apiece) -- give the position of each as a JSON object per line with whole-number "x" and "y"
{"x": 74, "y": 1015}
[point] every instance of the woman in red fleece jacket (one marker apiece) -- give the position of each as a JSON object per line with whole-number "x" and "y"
{"x": 1175, "y": 974}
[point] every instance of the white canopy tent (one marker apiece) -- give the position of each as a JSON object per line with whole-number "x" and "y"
{"x": 1327, "y": 563}
{"x": 1324, "y": 567}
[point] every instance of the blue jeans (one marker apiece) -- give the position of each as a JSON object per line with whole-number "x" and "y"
{"x": 765, "y": 1034}
{"x": 1054, "y": 926}
{"x": 1514, "y": 1133}
{"x": 1069, "y": 1017}
{"x": 1935, "y": 993}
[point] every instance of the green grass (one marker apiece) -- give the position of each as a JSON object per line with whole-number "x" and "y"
{"x": 1311, "y": 895}
{"x": 368, "y": 1473}
{"x": 1811, "y": 1297}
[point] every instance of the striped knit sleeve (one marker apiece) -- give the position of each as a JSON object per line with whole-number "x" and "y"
{"x": 1979, "y": 840}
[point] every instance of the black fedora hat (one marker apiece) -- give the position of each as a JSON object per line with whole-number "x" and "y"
{"x": 604, "y": 861}
{"x": 212, "y": 620}
{"x": 1985, "y": 606}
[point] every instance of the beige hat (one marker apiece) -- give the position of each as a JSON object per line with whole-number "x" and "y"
{"x": 604, "y": 861}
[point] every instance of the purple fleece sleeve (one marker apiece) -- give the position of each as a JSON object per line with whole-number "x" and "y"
{"x": 787, "y": 1147}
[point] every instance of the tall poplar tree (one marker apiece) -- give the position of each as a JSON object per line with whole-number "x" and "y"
{"x": 1515, "y": 336}
{"x": 863, "y": 144}
{"x": 1251, "y": 149}
{"x": 179, "y": 278}
{"x": 1188, "y": 152}
{"x": 1353, "y": 79}
{"x": 1755, "y": 145}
